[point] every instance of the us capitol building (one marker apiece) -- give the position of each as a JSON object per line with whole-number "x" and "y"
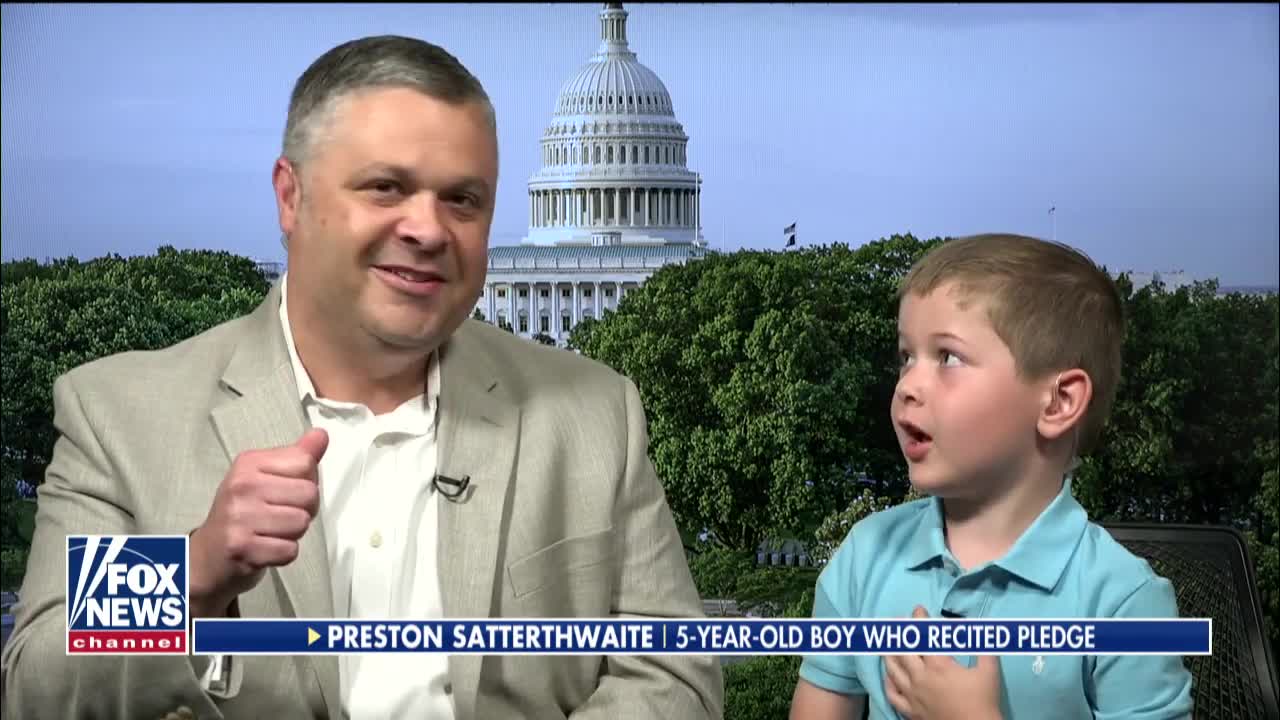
{"x": 612, "y": 202}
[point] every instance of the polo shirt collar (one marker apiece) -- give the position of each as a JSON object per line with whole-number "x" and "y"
{"x": 1039, "y": 556}
{"x": 415, "y": 418}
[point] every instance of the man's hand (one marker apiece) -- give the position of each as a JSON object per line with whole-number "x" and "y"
{"x": 936, "y": 687}
{"x": 262, "y": 508}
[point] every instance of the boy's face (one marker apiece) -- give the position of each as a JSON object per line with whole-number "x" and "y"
{"x": 964, "y": 419}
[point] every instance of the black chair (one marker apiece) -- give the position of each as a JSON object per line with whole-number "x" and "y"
{"x": 1212, "y": 573}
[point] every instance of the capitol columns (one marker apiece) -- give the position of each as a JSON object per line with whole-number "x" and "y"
{"x": 511, "y": 307}
{"x": 556, "y": 329}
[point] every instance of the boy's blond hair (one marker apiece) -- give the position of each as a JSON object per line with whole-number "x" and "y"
{"x": 1053, "y": 307}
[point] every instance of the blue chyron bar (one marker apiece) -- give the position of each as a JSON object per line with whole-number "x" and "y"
{"x": 738, "y": 636}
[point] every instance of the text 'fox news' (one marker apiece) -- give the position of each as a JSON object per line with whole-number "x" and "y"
{"x": 127, "y": 594}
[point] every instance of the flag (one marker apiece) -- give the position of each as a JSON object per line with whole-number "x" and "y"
{"x": 791, "y": 240}
{"x": 789, "y": 232}
{"x": 1055, "y": 207}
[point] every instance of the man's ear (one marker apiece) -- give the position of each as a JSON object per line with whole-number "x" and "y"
{"x": 288, "y": 192}
{"x": 1066, "y": 401}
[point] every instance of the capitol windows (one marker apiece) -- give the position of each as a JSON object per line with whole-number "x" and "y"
{"x": 566, "y": 321}
{"x": 586, "y": 292}
{"x": 622, "y": 154}
{"x": 646, "y": 154}
{"x": 544, "y": 293}
{"x": 502, "y": 292}
{"x": 564, "y": 292}
{"x": 597, "y": 156}
{"x": 609, "y": 154}
{"x": 608, "y": 292}
{"x": 635, "y": 154}
{"x": 524, "y": 324}
{"x": 544, "y": 324}
{"x": 524, "y": 292}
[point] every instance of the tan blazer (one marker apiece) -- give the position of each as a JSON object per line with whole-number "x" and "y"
{"x": 566, "y": 518}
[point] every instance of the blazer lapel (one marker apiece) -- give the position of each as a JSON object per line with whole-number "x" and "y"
{"x": 478, "y": 429}
{"x": 262, "y": 410}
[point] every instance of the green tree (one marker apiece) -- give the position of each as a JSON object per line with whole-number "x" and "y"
{"x": 767, "y": 379}
{"x": 1264, "y": 536}
{"x": 761, "y": 688}
{"x": 15, "y": 271}
{"x": 1192, "y": 404}
{"x": 66, "y": 313}
{"x": 835, "y": 528}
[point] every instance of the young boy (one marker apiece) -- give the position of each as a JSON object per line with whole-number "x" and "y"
{"x": 1010, "y": 357}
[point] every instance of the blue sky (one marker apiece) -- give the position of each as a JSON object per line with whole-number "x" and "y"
{"x": 1155, "y": 130}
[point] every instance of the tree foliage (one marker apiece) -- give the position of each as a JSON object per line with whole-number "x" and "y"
{"x": 766, "y": 377}
{"x": 1194, "y": 402}
{"x": 835, "y": 528}
{"x": 760, "y": 688}
{"x": 56, "y": 316}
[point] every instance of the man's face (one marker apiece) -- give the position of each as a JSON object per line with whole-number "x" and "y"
{"x": 388, "y": 218}
{"x": 964, "y": 418}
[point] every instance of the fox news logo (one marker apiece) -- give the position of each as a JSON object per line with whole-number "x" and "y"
{"x": 127, "y": 594}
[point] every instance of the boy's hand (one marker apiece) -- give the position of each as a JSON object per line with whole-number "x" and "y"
{"x": 936, "y": 687}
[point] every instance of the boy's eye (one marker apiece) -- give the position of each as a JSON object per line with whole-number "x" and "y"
{"x": 949, "y": 359}
{"x": 904, "y": 358}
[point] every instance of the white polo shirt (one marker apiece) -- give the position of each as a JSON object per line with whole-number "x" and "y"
{"x": 379, "y": 509}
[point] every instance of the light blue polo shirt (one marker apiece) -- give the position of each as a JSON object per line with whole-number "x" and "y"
{"x": 1063, "y": 566}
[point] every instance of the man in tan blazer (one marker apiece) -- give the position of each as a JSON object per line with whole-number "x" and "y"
{"x": 298, "y": 446}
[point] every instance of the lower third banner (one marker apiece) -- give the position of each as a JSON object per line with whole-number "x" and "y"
{"x": 737, "y": 636}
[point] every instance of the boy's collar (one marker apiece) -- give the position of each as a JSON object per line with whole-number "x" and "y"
{"x": 1039, "y": 556}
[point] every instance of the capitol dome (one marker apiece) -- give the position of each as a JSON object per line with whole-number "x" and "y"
{"x": 613, "y": 168}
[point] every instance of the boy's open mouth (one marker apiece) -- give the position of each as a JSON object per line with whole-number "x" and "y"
{"x": 914, "y": 432}
{"x": 918, "y": 442}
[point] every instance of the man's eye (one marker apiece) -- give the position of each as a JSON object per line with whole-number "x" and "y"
{"x": 385, "y": 187}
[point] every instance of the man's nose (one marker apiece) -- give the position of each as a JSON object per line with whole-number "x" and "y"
{"x": 424, "y": 223}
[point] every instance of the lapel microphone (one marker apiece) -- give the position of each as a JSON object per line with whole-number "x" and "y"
{"x": 951, "y": 614}
{"x": 449, "y": 487}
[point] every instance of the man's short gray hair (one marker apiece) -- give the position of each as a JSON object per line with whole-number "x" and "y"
{"x": 382, "y": 61}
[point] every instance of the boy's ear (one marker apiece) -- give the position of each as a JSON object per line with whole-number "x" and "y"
{"x": 1066, "y": 401}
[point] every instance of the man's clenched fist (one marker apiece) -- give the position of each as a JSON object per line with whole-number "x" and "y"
{"x": 261, "y": 510}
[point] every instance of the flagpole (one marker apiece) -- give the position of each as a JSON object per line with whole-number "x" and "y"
{"x": 1053, "y": 217}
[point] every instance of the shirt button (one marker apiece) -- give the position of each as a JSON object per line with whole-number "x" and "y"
{"x": 448, "y": 688}
{"x": 375, "y": 540}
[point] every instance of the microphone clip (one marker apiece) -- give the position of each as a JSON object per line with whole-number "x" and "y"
{"x": 449, "y": 487}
